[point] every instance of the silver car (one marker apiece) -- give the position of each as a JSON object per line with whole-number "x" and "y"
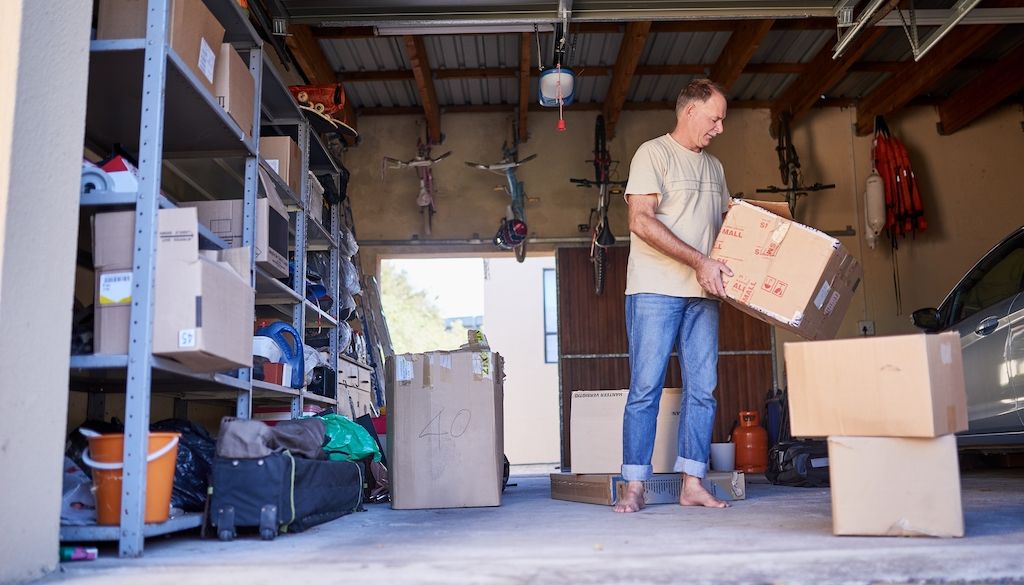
{"x": 987, "y": 308}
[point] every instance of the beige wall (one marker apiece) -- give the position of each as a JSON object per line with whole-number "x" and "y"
{"x": 970, "y": 182}
{"x": 514, "y": 324}
{"x": 42, "y": 119}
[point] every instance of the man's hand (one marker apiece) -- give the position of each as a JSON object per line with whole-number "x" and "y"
{"x": 709, "y": 275}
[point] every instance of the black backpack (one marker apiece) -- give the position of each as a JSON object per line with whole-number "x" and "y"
{"x": 799, "y": 463}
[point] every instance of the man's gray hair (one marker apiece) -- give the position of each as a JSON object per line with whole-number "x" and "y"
{"x": 698, "y": 90}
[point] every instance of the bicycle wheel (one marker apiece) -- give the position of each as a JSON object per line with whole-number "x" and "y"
{"x": 600, "y": 152}
{"x": 600, "y": 260}
{"x": 427, "y": 211}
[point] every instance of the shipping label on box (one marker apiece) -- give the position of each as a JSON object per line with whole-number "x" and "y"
{"x": 595, "y": 429}
{"x": 887, "y": 486}
{"x": 785, "y": 273}
{"x": 898, "y": 386}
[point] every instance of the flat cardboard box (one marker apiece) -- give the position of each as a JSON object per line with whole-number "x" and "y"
{"x": 195, "y": 33}
{"x": 203, "y": 303}
{"x": 784, "y": 273}
{"x": 316, "y": 199}
{"x": 225, "y": 219}
{"x": 234, "y": 87}
{"x": 283, "y": 155}
{"x": 607, "y": 489}
{"x": 900, "y": 386}
{"x": 595, "y": 426}
{"x": 886, "y": 486}
{"x": 444, "y": 427}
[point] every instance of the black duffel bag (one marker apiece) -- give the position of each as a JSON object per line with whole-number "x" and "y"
{"x": 799, "y": 463}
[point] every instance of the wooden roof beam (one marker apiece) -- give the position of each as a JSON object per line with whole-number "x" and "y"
{"x": 524, "y": 83}
{"x": 822, "y": 73}
{"x": 916, "y": 77}
{"x": 416, "y": 51}
{"x": 314, "y": 64}
{"x": 633, "y": 41}
{"x": 996, "y": 83}
{"x": 742, "y": 44}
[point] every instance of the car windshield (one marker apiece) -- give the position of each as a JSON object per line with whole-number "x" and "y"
{"x": 999, "y": 276}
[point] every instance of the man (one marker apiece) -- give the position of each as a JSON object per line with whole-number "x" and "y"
{"x": 677, "y": 198}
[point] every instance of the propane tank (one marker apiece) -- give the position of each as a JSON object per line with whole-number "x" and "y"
{"x": 751, "y": 444}
{"x": 874, "y": 207}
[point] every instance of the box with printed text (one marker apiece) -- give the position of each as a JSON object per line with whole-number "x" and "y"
{"x": 785, "y": 273}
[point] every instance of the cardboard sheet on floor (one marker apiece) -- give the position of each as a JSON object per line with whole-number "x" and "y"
{"x": 607, "y": 489}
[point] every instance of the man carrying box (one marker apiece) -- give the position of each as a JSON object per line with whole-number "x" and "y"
{"x": 677, "y": 198}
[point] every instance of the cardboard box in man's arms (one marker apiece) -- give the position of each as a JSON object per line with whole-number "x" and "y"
{"x": 785, "y": 273}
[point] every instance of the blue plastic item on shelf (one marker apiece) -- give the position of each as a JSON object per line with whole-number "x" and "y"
{"x": 292, "y": 349}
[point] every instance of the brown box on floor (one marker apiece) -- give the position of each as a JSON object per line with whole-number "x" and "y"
{"x": 195, "y": 33}
{"x": 234, "y": 87}
{"x": 203, "y": 303}
{"x": 606, "y": 489}
{"x": 886, "y": 486}
{"x": 283, "y": 155}
{"x": 785, "y": 273}
{"x": 444, "y": 428}
{"x": 900, "y": 386}
{"x": 595, "y": 426}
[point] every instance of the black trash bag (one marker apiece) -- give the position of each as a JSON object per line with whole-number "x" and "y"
{"x": 194, "y": 465}
{"x": 77, "y": 442}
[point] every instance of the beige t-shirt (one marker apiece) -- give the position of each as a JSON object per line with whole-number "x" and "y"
{"x": 692, "y": 196}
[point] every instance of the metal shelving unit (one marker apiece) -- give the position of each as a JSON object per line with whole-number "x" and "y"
{"x": 144, "y": 97}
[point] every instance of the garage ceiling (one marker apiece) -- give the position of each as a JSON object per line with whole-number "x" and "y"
{"x": 432, "y": 58}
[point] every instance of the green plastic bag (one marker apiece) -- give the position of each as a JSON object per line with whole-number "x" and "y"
{"x": 347, "y": 440}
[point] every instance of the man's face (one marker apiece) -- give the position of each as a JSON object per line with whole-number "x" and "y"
{"x": 706, "y": 120}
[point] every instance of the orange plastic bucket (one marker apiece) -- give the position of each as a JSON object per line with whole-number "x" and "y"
{"x": 104, "y": 456}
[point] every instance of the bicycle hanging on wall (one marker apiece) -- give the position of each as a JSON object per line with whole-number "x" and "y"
{"x": 601, "y": 237}
{"x": 513, "y": 229}
{"x": 424, "y": 165}
{"x": 789, "y": 169}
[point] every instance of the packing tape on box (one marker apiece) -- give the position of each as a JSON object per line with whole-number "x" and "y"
{"x": 481, "y": 365}
{"x": 427, "y": 381}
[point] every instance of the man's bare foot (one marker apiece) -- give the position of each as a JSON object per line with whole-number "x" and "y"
{"x": 633, "y": 500}
{"x": 694, "y": 494}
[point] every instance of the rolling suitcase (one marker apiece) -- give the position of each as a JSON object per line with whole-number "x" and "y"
{"x": 281, "y": 493}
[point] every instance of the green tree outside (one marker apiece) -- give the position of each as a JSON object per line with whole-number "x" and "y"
{"x": 414, "y": 320}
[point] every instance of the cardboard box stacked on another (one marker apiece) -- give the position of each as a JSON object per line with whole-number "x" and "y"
{"x": 596, "y": 453}
{"x": 889, "y": 407}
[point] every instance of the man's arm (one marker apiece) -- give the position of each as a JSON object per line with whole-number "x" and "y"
{"x": 645, "y": 225}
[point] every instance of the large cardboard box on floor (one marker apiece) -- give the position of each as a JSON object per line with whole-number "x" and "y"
{"x": 900, "y": 386}
{"x": 203, "y": 302}
{"x": 595, "y": 428}
{"x": 234, "y": 87}
{"x": 444, "y": 427}
{"x": 195, "y": 33}
{"x": 886, "y": 486}
{"x": 283, "y": 155}
{"x": 785, "y": 273}
{"x": 607, "y": 489}
{"x": 225, "y": 219}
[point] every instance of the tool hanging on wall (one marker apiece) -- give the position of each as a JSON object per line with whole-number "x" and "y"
{"x": 556, "y": 87}
{"x": 904, "y": 211}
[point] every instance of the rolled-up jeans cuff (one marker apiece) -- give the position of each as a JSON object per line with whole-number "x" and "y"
{"x": 688, "y": 466}
{"x": 637, "y": 472}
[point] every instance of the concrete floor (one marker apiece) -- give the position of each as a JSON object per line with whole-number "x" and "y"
{"x": 777, "y": 535}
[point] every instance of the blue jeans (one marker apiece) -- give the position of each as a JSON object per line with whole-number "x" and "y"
{"x": 654, "y": 325}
